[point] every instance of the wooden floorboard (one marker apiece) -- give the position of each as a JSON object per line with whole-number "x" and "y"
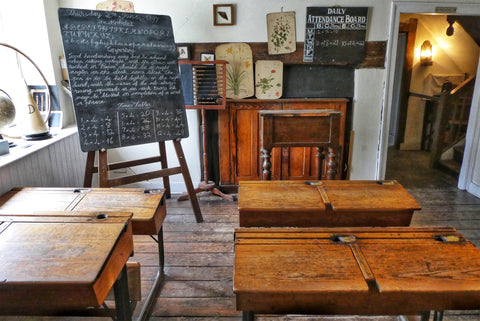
{"x": 199, "y": 256}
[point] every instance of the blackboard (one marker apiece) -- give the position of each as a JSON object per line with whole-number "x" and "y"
{"x": 335, "y": 35}
{"x": 186, "y": 77}
{"x": 124, "y": 78}
{"x": 316, "y": 81}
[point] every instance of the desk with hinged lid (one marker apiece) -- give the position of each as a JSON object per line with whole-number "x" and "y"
{"x": 62, "y": 264}
{"x": 350, "y": 271}
{"x": 330, "y": 203}
{"x": 148, "y": 208}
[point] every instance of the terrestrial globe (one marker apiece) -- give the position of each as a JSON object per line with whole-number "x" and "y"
{"x": 7, "y": 111}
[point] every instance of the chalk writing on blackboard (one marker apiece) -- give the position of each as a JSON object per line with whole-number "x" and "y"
{"x": 335, "y": 34}
{"x": 124, "y": 78}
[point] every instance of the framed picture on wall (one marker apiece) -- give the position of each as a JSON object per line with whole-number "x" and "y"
{"x": 183, "y": 52}
{"x": 223, "y": 14}
{"x": 207, "y": 57}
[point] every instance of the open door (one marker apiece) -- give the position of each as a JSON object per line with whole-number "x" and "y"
{"x": 469, "y": 178}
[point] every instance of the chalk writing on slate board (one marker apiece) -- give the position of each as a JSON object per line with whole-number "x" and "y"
{"x": 335, "y": 35}
{"x": 124, "y": 78}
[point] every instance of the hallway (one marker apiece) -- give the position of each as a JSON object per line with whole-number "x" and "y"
{"x": 411, "y": 169}
{"x": 443, "y": 204}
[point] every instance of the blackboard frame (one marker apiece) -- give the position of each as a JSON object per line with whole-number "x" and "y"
{"x": 124, "y": 77}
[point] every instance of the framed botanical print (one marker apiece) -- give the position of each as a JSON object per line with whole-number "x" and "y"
{"x": 281, "y": 33}
{"x": 268, "y": 79}
{"x": 239, "y": 78}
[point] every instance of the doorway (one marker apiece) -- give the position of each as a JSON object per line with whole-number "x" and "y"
{"x": 419, "y": 137}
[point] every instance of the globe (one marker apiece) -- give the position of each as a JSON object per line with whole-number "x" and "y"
{"x": 7, "y": 111}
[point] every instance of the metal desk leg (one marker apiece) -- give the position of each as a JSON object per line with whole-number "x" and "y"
{"x": 152, "y": 295}
{"x": 122, "y": 300}
{"x": 161, "y": 251}
{"x": 438, "y": 316}
{"x": 247, "y": 316}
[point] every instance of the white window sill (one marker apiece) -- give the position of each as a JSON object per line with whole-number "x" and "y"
{"x": 25, "y": 148}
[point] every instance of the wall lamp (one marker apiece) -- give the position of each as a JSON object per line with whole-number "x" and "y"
{"x": 426, "y": 53}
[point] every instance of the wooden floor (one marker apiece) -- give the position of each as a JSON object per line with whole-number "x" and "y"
{"x": 199, "y": 257}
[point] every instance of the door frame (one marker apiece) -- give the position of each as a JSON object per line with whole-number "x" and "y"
{"x": 473, "y": 129}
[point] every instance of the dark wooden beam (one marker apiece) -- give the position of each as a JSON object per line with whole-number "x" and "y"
{"x": 374, "y": 53}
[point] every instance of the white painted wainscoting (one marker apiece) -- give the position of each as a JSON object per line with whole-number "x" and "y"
{"x": 56, "y": 162}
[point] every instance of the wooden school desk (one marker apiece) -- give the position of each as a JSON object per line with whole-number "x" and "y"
{"x": 148, "y": 208}
{"x": 350, "y": 271}
{"x": 318, "y": 128}
{"x": 53, "y": 265}
{"x": 324, "y": 203}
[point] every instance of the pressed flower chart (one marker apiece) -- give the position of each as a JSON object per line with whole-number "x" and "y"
{"x": 268, "y": 79}
{"x": 239, "y": 69}
{"x": 281, "y": 33}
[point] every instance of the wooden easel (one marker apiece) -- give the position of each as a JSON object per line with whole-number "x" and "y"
{"x": 104, "y": 167}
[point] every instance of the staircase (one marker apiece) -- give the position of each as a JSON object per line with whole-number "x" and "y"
{"x": 452, "y": 166}
{"x": 453, "y": 112}
{"x": 450, "y": 127}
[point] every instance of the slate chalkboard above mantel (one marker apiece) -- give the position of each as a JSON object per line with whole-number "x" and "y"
{"x": 304, "y": 81}
{"x": 124, "y": 78}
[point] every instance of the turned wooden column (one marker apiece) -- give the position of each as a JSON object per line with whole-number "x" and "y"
{"x": 267, "y": 165}
{"x": 331, "y": 163}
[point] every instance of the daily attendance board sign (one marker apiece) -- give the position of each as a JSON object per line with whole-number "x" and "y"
{"x": 335, "y": 35}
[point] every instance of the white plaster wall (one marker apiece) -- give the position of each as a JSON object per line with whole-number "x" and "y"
{"x": 476, "y": 172}
{"x": 56, "y": 50}
{"x": 192, "y": 22}
{"x": 367, "y": 122}
{"x": 31, "y": 38}
{"x": 22, "y": 25}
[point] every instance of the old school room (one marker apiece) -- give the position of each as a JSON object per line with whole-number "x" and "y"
{"x": 254, "y": 160}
